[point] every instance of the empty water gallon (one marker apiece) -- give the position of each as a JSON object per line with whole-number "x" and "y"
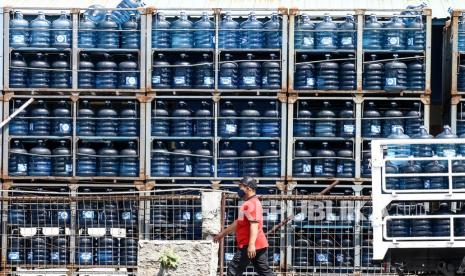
{"x": 325, "y": 162}
{"x": 85, "y": 119}
{"x": 270, "y": 126}
{"x": 86, "y": 78}
{"x": 413, "y": 119}
{"x": 252, "y": 35}
{"x": 271, "y": 73}
{"x": 372, "y": 34}
{"x": 250, "y": 121}
{"x": 18, "y": 71}
{"x": 371, "y": 126}
{"x": 250, "y": 76}
{"x": 325, "y": 124}
{"x": 411, "y": 183}
{"x": 160, "y": 123}
{"x": 347, "y": 33}
{"x": 204, "y": 34}
{"x": 160, "y": 31}
{"x": 161, "y": 72}
{"x": 107, "y": 122}
{"x": 38, "y": 252}
{"x": 441, "y": 227}
{"x": 39, "y": 76}
{"x": 395, "y": 34}
{"x": 228, "y": 164}
{"x": 422, "y": 150}
{"x": 19, "y": 125}
{"x": 40, "y": 31}
{"x": 129, "y": 164}
{"x": 19, "y": 32}
{"x": 394, "y": 118}
{"x": 345, "y": 161}
{"x": 204, "y": 77}
{"x": 181, "y": 124}
{"x": 461, "y": 34}
{"x": 228, "y": 33}
{"x": 59, "y": 252}
{"x": 160, "y": 160}
{"x": 182, "y": 73}
{"x": 326, "y": 34}
{"x": 62, "y": 122}
{"x": 373, "y": 74}
{"x": 87, "y": 36}
{"x": 61, "y": 74}
{"x": 108, "y": 35}
{"x": 416, "y": 35}
{"x": 304, "y": 35}
{"x": 124, "y": 10}
{"x": 182, "y": 35}
{"x": 250, "y": 161}
{"x": 16, "y": 250}
{"x": 421, "y": 227}
{"x": 392, "y": 182}
{"x": 203, "y": 163}
{"x": 303, "y": 125}
{"x": 398, "y": 150}
{"x": 18, "y": 159}
{"x": 128, "y": 249}
{"x": 106, "y": 77}
{"x": 416, "y": 75}
{"x": 273, "y": 32}
{"x": 461, "y": 78}
{"x": 86, "y": 162}
{"x": 128, "y": 73}
{"x": 61, "y": 31}
{"x": 130, "y": 37}
{"x": 62, "y": 164}
{"x": 348, "y": 74}
{"x": 395, "y": 75}
{"x": 40, "y": 162}
{"x": 347, "y": 127}
{"x": 435, "y": 182}
{"x": 446, "y": 150}
{"x": 304, "y": 76}
{"x": 227, "y": 124}
{"x": 327, "y": 74}
{"x": 458, "y": 182}
{"x": 108, "y": 160}
{"x": 271, "y": 166}
{"x": 107, "y": 250}
{"x": 228, "y": 75}
{"x": 181, "y": 161}
{"x": 85, "y": 250}
{"x": 129, "y": 121}
{"x": 39, "y": 124}
{"x": 398, "y": 227}
{"x": 203, "y": 127}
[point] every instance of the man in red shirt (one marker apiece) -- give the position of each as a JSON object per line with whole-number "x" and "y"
{"x": 250, "y": 238}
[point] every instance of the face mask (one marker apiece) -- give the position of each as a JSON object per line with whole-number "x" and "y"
{"x": 241, "y": 193}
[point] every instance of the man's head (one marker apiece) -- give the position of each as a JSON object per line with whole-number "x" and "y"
{"x": 247, "y": 187}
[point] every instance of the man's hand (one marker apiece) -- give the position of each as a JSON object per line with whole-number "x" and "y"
{"x": 218, "y": 237}
{"x": 251, "y": 251}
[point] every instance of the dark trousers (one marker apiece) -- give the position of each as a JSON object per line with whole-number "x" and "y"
{"x": 240, "y": 262}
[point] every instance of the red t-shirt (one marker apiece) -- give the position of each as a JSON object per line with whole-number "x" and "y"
{"x": 250, "y": 210}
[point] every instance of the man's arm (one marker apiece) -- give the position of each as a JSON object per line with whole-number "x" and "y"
{"x": 228, "y": 230}
{"x": 253, "y": 237}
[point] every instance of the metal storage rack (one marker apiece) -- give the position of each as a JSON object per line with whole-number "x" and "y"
{"x": 384, "y": 195}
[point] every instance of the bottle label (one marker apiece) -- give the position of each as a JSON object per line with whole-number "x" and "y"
{"x": 249, "y": 80}
{"x": 394, "y": 40}
{"x": 228, "y": 256}
{"x": 19, "y": 38}
{"x": 410, "y": 41}
{"x": 427, "y": 183}
{"x": 208, "y": 80}
{"x": 340, "y": 258}
{"x": 63, "y": 215}
{"x": 308, "y": 41}
{"x": 346, "y": 40}
{"x": 31, "y": 127}
{"x": 391, "y": 81}
{"x": 186, "y": 215}
{"x": 22, "y": 167}
{"x": 226, "y": 80}
{"x": 340, "y": 168}
{"x": 60, "y": 38}
{"x": 393, "y": 127}
{"x": 264, "y": 80}
{"x": 86, "y": 256}
{"x": 68, "y": 167}
{"x": 198, "y": 216}
{"x": 272, "y": 216}
{"x": 13, "y": 255}
{"x": 179, "y": 80}
{"x": 55, "y": 255}
{"x": 88, "y": 214}
{"x": 310, "y": 81}
{"x": 327, "y": 40}
{"x": 156, "y": 79}
{"x": 188, "y": 168}
{"x": 276, "y": 257}
{"x": 64, "y": 127}
{"x": 307, "y": 168}
{"x": 375, "y": 129}
{"x": 231, "y": 128}
{"x": 322, "y": 257}
{"x": 349, "y": 128}
{"x": 126, "y": 215}
{"x": 449, "y": 152}
{"x": 318, "y": 169}
{"x": 131, "y": 81}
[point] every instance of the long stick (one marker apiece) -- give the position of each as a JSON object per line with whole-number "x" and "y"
{"x": 2, "y": 124}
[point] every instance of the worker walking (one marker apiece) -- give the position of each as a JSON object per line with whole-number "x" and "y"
{"x": 250, "y": 238}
